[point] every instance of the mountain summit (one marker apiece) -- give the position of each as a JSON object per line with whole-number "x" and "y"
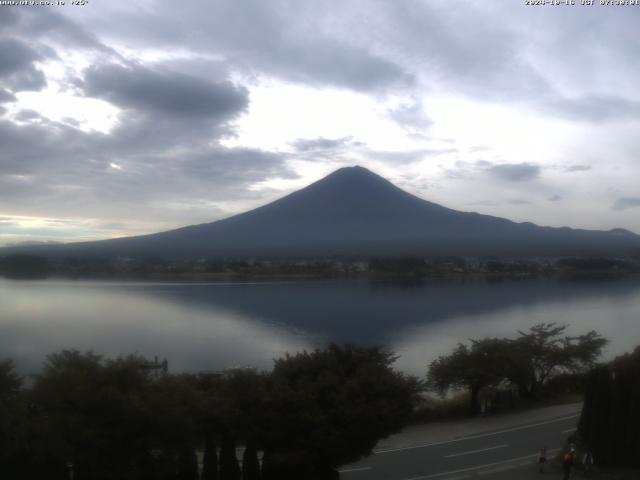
{"x": 353, "y": 211}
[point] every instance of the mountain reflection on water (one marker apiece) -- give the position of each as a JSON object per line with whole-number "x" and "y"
{"x": 213, "y": 326}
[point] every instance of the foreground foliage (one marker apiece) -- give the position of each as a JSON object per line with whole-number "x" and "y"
{"x": 610, "y": 420}
{"x": 123, "y": 418}
{"x": 527, "y": 362}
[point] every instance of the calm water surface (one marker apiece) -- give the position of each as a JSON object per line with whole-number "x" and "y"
{"x": 215, "y": 326}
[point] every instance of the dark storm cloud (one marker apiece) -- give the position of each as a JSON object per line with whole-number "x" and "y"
{"x": 17, "y": 70}
{"x": 7, "y": 18}
{"x": 15, "y": 56}
{"x": 288, "y": 40}
{"x": 515, "y": 172}
{"x": 37, "y": 24}
{"x": 164, "y": 92}
{"x": 626, "y": 202}
{"x": 25, "y": 149}
{"x": 477, "y": 50}
{"x": 237, "y": 167}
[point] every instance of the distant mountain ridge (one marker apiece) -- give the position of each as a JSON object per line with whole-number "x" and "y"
{"x": 350, "y": 212}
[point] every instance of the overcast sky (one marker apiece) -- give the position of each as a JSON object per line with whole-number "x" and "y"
{"x": 119, "y": 117}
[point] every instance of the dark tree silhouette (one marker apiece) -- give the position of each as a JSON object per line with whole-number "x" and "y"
{"x": 610, "y": 420}
{"x": 229, "y": 467}
{"x": 528, "y": 362}
{"x": 187, "y": 464}
{"x": 542, "y": 352}
{"x": 122, "y": 418}
{"x": 250, "y": 463}
{"x": 330, "y": 407}
{"x": 473, "y": 368}
{"x": 210, "y": 459}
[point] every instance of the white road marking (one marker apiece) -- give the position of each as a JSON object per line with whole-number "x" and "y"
{"x": 462, "y": 477}
{"x": 470, "y": 469}
{"x": 479, "y": 467}
{"x": 481, "y": 435}
{"x": 357, "y": 469}
{"x": 569, "y": 430}
{"x": 497, "y": 469}
{"x": 475, "y": 451}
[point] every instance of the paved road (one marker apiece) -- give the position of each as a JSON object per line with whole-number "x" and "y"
{"x": 489, "y": 455}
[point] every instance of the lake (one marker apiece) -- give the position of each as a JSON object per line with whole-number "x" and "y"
{"x": 212, "y": 326}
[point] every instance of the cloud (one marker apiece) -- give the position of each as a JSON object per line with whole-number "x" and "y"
{"x": 408, "y": 156}
{"x": 515, "y": 172}
{"x": 164, "y": 92}
{"x": 26, "y": 115}
{"x": 37, "y": 24}
{"x": 348, "y": 149}
{"x": 577, "y": 168}
{"x": 6, "y": 96}
{"x": 594, "y": 108}
{"x": 555, "y": 198}
{"x": 410, "y": 115}
{"x": 321, "y": 143}
{"x": 334, "y": 63}
{"x": 276, "y": 39}
{"x": 15, "y": 56}
{"x": 625, "y": 203}
{"x": 7, "y": 18}
{"x": 181, "y": 80}
{"x": 510, "y": 172}
{"x": 166, "y": 144}
{"x": 17, "y": 70}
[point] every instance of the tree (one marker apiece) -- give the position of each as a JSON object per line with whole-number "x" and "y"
{"x": 229, "y": 467}
{"x": 10, "y": 381}
{"x": 24, "y": 266}
{"x": 250, "y": 463}
{"x": 210, "y": 459}
{"x": 527, "y": 361}
{"x": 187, "y": 464}
{"x": 610, "y": 420}
{"x": 11, "y": 421}
{"x": 330, "y": 407}
{"x": 542, "y": 352}
{"x": 114, "y": 418}
{"x": 474, "y": 367}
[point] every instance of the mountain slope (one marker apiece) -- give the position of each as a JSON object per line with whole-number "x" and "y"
{"x": 356, "y": 212}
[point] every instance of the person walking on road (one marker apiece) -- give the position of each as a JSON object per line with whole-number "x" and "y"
{"x": 542, "y": 458}
{"x": 568, "y": 461}
{"x": 587, "y": 462}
